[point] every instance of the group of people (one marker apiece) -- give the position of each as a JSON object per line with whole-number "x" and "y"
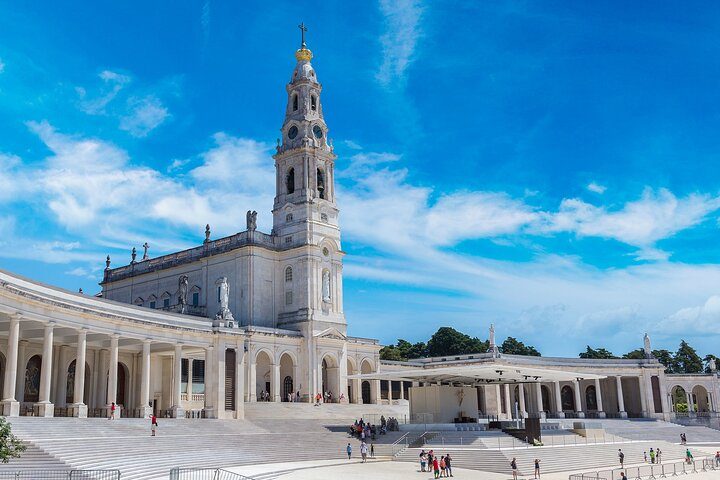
{"x": 514, "y": 468}
{"x": 391, "y": 424}
{"x": 655, "y": 456}
{"x": 441, "y": 467}
{"x": 363, "y": 430}
{"x": 327, "y": 397}
{"x": 364, "y": 451}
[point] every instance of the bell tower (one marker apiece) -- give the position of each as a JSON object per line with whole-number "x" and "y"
{"x": 305, "y": 213}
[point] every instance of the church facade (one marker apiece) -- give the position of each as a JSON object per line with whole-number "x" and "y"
{"x": 249, "y": 317}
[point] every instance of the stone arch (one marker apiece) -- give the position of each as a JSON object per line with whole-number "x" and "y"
{"x": 288, "y": 274}
{"x": 70, "y": 384}
{"x": 367, "y": 365}
{"x": 330, "y": 375}
{"x": 32, "y": 379}
{"x": 287, "y": 372}
{"x": 701, "y": 399}
{"x": 352, "y": 389}
{"x": 567, "y": 398}
{"x": 320, "y": 183}
{"x": 591, "y": 398}
{"x": 263, "y": 373}
{"x": 678, "y": 399}
{"x": 545, "y": 394}
{"x": 366, "y": 390}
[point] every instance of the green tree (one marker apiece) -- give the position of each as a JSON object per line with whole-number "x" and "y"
{"x": 10, "y": 445}
{"x": 663, "y": 356}
{"x": 403, "y": 350}
{"x": 687, "y": 360}
{"x": 596, "y": 353}
{"x": 513, "y": 346}
{"x": 637, "y": 354}
{"x": 391, "y": 352}
{"x": 448, "y": 341}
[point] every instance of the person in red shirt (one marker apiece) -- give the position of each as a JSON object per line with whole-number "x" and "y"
{"x": 112, "y": 412}
{"x": 436, "y": 467}
{"x": 153, "y": 424}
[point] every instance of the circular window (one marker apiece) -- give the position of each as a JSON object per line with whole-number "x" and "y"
{"x": 317, "y": 131}
{"x": 326, "y": 252}
{"x": 292, "y": 133}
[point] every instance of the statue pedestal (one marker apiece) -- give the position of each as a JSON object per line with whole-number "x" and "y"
{"x": 11, "y": 408}
{"x": 78, "y": 410}
{"x": 601, "y": 415}
{"x": 623, "y": 414}
{"x": 44, "y": 409}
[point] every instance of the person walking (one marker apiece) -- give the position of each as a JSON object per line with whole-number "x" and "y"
{"x": 442, "y": 466}
{"x": 348, "y": 449}
{"x": 423, "y": 460}
{"x": 112, "y": 411}
{"x": 652, "y": 455}
{"x": 621, "y": 457}
{"x": 153, "y": 424}
{"x": 645, "y": 457}
{"x": 448, "y": 466}
{"x": 372, "y": 450}
{"x": 363, "y": 451}
{"x": 537, "y": 468}
{"x": 659, "y": 456}
{"x": 622, "y": 476}
{"x": 513, "y": 467}
{"x": 688, "y": 456}
{"x": 436, "y": 467}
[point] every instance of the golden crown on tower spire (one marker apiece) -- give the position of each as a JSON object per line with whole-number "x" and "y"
{"x": 303, "y": 54}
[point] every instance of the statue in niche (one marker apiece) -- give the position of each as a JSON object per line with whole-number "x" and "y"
{"x": 646, "y": 346}
{"x": 326, "y": 285}
{"x": 251, "y": 219}
{"x": 182, "y": 292}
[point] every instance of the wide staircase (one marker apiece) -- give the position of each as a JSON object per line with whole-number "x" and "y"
{"x": 644, "y": 429}
{"x": 63, "y": 443}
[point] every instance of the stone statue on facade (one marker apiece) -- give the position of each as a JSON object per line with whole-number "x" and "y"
{"x": 207, "y": 233}
{"x": 326, "y": 286}
{"x": 107, "y": 263}
{"x": 224, "y": 317}
{"x": 251, "y": 219}
{"x": 183, "y": 282}
{"x": 146, "y": 247}
{"x": 492, "y": 347}
{"x": 646, "y": 347}
{"x": 133, "y": 255}
{"x": 712, "y": 365}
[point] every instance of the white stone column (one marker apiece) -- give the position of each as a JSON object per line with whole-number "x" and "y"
{"x": 112, "y": 373}
{"x": 538, "y": 399}
{"x": 558, "y": 401}
{"x": 598, "y": 399}
{"x": 275, "y": 382}
{"x": 11, "y": 407}
{"x": 643, "y": 395}
{"x": 240, "y": 381}
{"x": 211, "y": 407}
{"x": 252, "y": 378}
{"x": 498, "y": 400}
{"x": 145, "y": 408}
{"x": 508, "y": 405}
{"x": 177, "y": 410}
{"x": 690, "y": 401}
{"x": 621, "y": 400}
{"x": 521, "y": 400}
{"x": 375, "y": 393}
{"x": 44, "y": 408}
{"x": 578, "y": 403}
{"x": 79, "y": 409}
{"x": 189, "y": 387}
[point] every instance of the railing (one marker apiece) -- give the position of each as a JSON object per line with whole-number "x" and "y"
{"x": 422, "y": 439}
{"x": 195, "y": 397}
{"x": 652, "y": 471}
{"x": 399, "y": 445}
{"x": 204, "y": 474}
{"x": 61, "y": 475}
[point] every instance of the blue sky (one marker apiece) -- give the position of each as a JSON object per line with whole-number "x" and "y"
{"x": 550, "y": 167}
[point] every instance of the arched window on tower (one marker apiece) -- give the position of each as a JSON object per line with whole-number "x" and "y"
{"x": 295, "y": 102}
{"x": 313, "y": 102}
{"x": 288, "y": 274}
{"x": 290, "y": 181}
{"x": 321, "y": 183}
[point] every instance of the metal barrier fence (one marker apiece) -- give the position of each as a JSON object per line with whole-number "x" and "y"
{"x": 652, "y": 471}
{"x": 60, "y": 475}
{"x": 204, "y": 474}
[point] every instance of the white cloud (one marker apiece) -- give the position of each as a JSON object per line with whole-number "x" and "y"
{"x": 402, "y": 31}
{"x": 113, "y": 83}
{"x": 655, "y": 216}
{"x": 352, "y": 145}
{"x": 145, "y": 115}
{"x": 596, "y": 188}
{"x": 703, "y": 319}
{"x": 177, "y": 164}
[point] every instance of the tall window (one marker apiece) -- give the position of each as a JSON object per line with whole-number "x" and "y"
{"x": 288, "y": 274}
{"x": 295, "y": 102}
{"x": 321, "y": 183}
{"x": 290, "y": 181}
{"x": 313, "y": 102}
{"x": 195, "y": 299}
{"x": 288, "y": 298}
{"x": 166, "y": 302}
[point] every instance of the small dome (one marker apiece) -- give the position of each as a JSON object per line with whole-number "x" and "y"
{"x": 304, "y": 71}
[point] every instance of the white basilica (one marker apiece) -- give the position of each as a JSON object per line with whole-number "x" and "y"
{"x": 201, "y": 331}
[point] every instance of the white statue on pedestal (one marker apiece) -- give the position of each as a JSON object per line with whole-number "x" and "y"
{"x": 492, "y": 347}
{"x": 326, "y": 286}
{"x": 646, "y": 347}
{"x": 224, "y": 316}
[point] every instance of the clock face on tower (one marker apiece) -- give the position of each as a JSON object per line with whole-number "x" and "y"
{"x": 292, "y": 133}
{"x": 317, "y": 131}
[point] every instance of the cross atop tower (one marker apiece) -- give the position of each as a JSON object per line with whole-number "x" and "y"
{"x": 303, "y": 29}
